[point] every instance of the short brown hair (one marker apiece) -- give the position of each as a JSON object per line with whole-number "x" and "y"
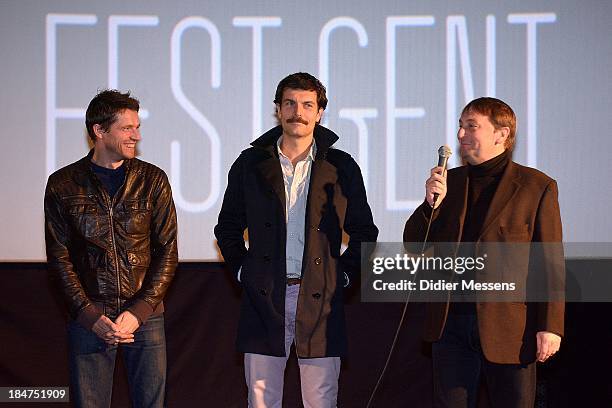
{"x": 500, "y": 114}
{"x": 105, "y": 106}
{"x": 305, "y": 82}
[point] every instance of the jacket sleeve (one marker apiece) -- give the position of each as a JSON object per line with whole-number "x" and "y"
{"x": 60, "y": 266}
{"x": 416, "y": 225}
{"x": 550, "y": 261}
{"x": 415, "y": 228}
{"x": 232, "y": 220}
{"x": 164, "y": 253}
{"x": 358, "y": 222}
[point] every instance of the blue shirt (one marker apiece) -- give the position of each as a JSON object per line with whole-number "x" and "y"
{"x": 297, "y": 181}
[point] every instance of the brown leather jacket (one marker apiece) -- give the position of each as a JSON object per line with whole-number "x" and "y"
{"x": 110, "y": 255}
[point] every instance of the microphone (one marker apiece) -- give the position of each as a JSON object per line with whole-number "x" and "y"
{"x": 444, "y": 152}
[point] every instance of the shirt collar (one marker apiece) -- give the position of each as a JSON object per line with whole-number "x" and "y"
{"x": 312, "y": 152}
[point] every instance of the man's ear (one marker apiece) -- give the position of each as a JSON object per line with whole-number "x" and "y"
{"x": 98, "y": 131}
{"x": 504, "y": 133}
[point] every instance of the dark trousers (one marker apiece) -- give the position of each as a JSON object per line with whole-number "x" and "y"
{"x": 458, "y": 364}
{"x": 92, "y": 363}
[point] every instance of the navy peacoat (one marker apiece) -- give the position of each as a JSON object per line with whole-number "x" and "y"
{"x": 255, "y": 200}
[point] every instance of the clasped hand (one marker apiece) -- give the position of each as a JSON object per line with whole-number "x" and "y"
{"x": 120, "y": 331}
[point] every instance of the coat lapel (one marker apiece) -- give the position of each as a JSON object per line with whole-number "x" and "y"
{"x": 323, "y": 177}
{"x": 508, "y": 187}
{"x": 270, "y": 171}
{"x": 322, "y": 172}
{"x": 269, "y": 167}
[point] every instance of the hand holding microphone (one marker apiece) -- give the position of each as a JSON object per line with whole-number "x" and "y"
{"x": 435, "y": 186}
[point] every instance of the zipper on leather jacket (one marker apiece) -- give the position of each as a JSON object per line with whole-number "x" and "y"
{"x": 111, "y": 204}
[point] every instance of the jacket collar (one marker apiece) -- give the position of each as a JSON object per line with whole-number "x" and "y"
{"x": 270, "y": 169}
{"x": 507, "y": 188}
{"x": 324, "y": 139}
{"x": 86, "y": 175}
{"x": 312, "y": 151}
{"x": 87, "y": 159}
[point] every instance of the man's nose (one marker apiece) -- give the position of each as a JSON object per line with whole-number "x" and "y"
{"x": 298, "y": 110}
{"x": 460, "y": 133}
{"x": 136, "y": 135}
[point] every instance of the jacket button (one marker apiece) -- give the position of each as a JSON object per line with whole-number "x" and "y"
{"x": 266, "y": 258}
{"x": 317, "y": 261}
{"x": 268, "y": 225}
{"x": 316, "y": 295}
{"x": 263, "y": 292}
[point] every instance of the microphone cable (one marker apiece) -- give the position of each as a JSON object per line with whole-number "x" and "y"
{"x": 403, "y": 316}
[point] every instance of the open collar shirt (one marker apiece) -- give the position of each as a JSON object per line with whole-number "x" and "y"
{"x": 297, "y": 181}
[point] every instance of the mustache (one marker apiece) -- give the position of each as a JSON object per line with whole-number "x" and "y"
{"x": 297, "y": 120}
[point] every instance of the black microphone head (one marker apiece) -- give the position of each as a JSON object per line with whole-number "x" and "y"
{"x": 444, "y": 151}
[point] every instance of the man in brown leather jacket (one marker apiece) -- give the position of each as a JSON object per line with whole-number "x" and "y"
{"x": 110, "y": 231}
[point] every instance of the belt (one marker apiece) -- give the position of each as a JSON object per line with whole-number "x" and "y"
{"x": 293, "y": 281}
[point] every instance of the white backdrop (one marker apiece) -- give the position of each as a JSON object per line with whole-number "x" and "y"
{"x": 397, "y": 72}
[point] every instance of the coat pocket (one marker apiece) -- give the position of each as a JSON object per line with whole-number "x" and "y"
{"x": 82, "y": 214}
{"x": 137, "y": 216}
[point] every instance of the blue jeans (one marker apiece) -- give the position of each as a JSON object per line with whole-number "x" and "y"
{"x": 92, "y": 363}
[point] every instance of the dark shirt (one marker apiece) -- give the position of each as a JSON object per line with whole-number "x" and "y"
{"x": 483, "y": 180}
{"x": 111, "y": 179}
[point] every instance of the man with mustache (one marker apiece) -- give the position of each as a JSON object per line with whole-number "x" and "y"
{"x": 296, "y": 195}
{"x": 110, "y": 232}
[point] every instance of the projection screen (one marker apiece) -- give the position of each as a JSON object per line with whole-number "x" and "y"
{"x": 397, "y": 74}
